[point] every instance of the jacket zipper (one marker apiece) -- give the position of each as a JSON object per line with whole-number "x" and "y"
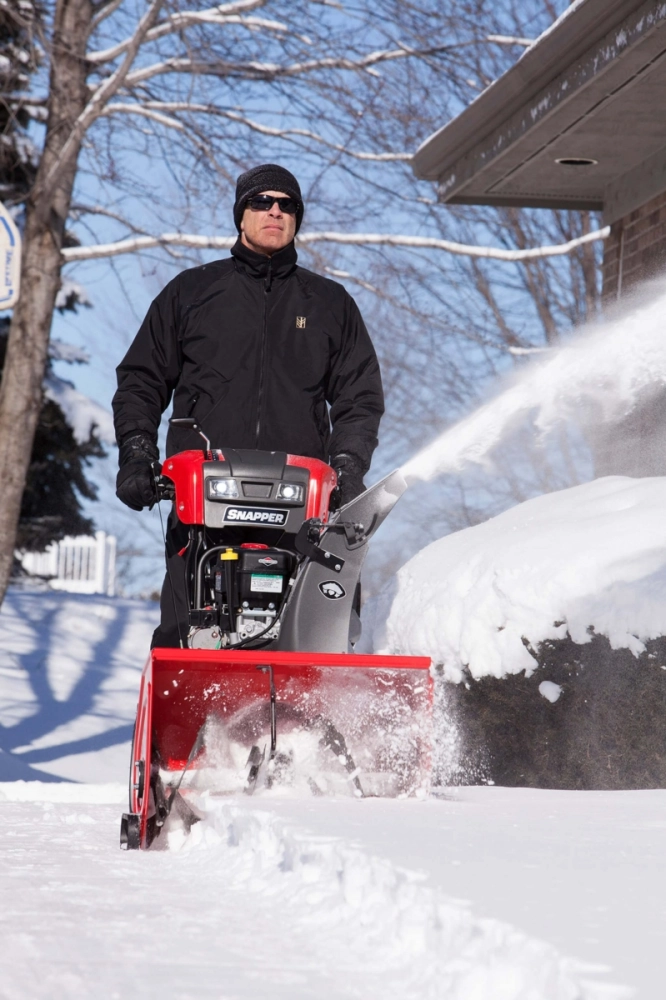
{"x": 267, "y": 288}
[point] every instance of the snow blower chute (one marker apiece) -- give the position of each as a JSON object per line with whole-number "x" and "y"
{"x": 267, "y": 688}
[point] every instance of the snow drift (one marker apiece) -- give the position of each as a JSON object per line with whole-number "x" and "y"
{"x": 590, "y": 558}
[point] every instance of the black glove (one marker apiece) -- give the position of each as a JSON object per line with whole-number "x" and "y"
{"x": 350, "y": 471}
{"x": 135, "y": 482}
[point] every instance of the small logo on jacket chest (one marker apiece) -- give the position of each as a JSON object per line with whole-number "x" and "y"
{"x": 300, "y": 322}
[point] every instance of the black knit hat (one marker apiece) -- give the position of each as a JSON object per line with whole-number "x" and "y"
{"x": 267, "y": 177}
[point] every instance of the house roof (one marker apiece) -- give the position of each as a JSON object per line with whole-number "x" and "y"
{"x": 592, "y": 87}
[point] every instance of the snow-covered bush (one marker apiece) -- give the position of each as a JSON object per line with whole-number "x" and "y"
{"x": 549, "y": 623}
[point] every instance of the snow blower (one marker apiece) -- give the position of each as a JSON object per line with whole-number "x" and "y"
{"x": 267, "y": 688}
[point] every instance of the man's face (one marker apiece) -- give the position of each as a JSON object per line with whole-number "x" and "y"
{"x": 268, "y": 232}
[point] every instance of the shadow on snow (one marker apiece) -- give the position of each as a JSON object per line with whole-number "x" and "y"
{"x": 51, "y": 713}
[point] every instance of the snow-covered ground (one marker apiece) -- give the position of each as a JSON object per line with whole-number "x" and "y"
{"x": 479, "y": 893}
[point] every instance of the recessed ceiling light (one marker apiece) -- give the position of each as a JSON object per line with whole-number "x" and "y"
{"x": 577, "y": 161}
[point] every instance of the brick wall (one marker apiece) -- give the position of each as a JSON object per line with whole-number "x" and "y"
{"x": 636, "y": 248}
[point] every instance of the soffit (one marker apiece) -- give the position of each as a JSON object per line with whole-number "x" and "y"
{"x": 592, "y": 87}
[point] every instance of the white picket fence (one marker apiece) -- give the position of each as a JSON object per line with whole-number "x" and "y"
{"x": 81, "y": 565}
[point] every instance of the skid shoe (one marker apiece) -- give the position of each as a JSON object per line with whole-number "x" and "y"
{"x": 130, "y": 832}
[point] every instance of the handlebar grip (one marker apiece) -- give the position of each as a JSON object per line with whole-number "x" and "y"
{"x": 164, "y": 488}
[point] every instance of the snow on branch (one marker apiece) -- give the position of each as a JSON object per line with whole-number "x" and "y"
{"x": 510, "y": 40}
{"x": 70, "y": 295}
{"x": 156, "y": 110}
{"x": 143, "y": 111}
{"x": 195, "y": 241}
{"x": 520, "y": 352}
{"x": 84, "y": 415}
{"x": 136, "y": 243}
{"x": 252, "y": 70}
{"x": 222, "y": 15}
{"x": 60, "y": 350}
{"x": 462, "y": 249}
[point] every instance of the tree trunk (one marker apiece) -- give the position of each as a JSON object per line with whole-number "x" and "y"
{"x": 47, "y": 210}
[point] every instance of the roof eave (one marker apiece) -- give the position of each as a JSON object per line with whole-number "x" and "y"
{"x": 569, "y": 38}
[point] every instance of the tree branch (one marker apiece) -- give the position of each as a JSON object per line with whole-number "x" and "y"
{"x": 192, "y": 240}
{"x": 185, "y": 19}
{"x": 155, "y": 109}
{"x": 110, "y": 8}
{"x": 270, "y": 71}
{"x": 78, "y": 210}
{"x": 143, "y": 111}
{"x": 102, "y": 94}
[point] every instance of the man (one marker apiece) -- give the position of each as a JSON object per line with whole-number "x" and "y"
{"x": 257, "y": 349}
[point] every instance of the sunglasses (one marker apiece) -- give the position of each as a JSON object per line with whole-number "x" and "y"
{"x": 264, "y": 203}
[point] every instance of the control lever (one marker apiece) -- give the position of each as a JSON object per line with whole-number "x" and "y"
{"x": 189, "y": 423}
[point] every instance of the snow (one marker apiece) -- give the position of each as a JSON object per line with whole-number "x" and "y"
{"x": 593, "y": 556}
{"x": 512, "y": 894}
{"x": 24, "y": 148}
{"x": 571, "y": 9}
{"x": 550, "y": 690}
{"x": 252, "y": 905}
{"x": 60, "y": 350}
{"x": 69, "y": 670}
{"x": 596, "y": 378}
{"x": 70, "y": 294}
{"x": 82, "y": 414}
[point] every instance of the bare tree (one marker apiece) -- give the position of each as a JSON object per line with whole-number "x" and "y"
{"x": 151, "y": 109}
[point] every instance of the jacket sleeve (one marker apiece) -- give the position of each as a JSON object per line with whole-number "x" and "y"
{"x": 149, "y": 372}
{"x": 354, "y": 390}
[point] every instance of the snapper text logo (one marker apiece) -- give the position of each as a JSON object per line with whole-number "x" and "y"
{"x": 255, "y": 515}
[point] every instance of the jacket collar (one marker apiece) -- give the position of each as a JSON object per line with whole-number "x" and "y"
{"x": 257, "y": 265}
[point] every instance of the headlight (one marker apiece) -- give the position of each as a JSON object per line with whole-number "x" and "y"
{"x": 222, "y": 489}
{"x": 290, "y": 491}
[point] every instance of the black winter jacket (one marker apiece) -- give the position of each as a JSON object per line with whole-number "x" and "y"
{"x": 254, "y": 348}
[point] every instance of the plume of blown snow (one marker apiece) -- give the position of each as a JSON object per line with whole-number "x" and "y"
{"x": 600, "y": 376}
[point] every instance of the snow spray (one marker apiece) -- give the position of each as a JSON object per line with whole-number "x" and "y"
{"x": 597, "y": 377}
